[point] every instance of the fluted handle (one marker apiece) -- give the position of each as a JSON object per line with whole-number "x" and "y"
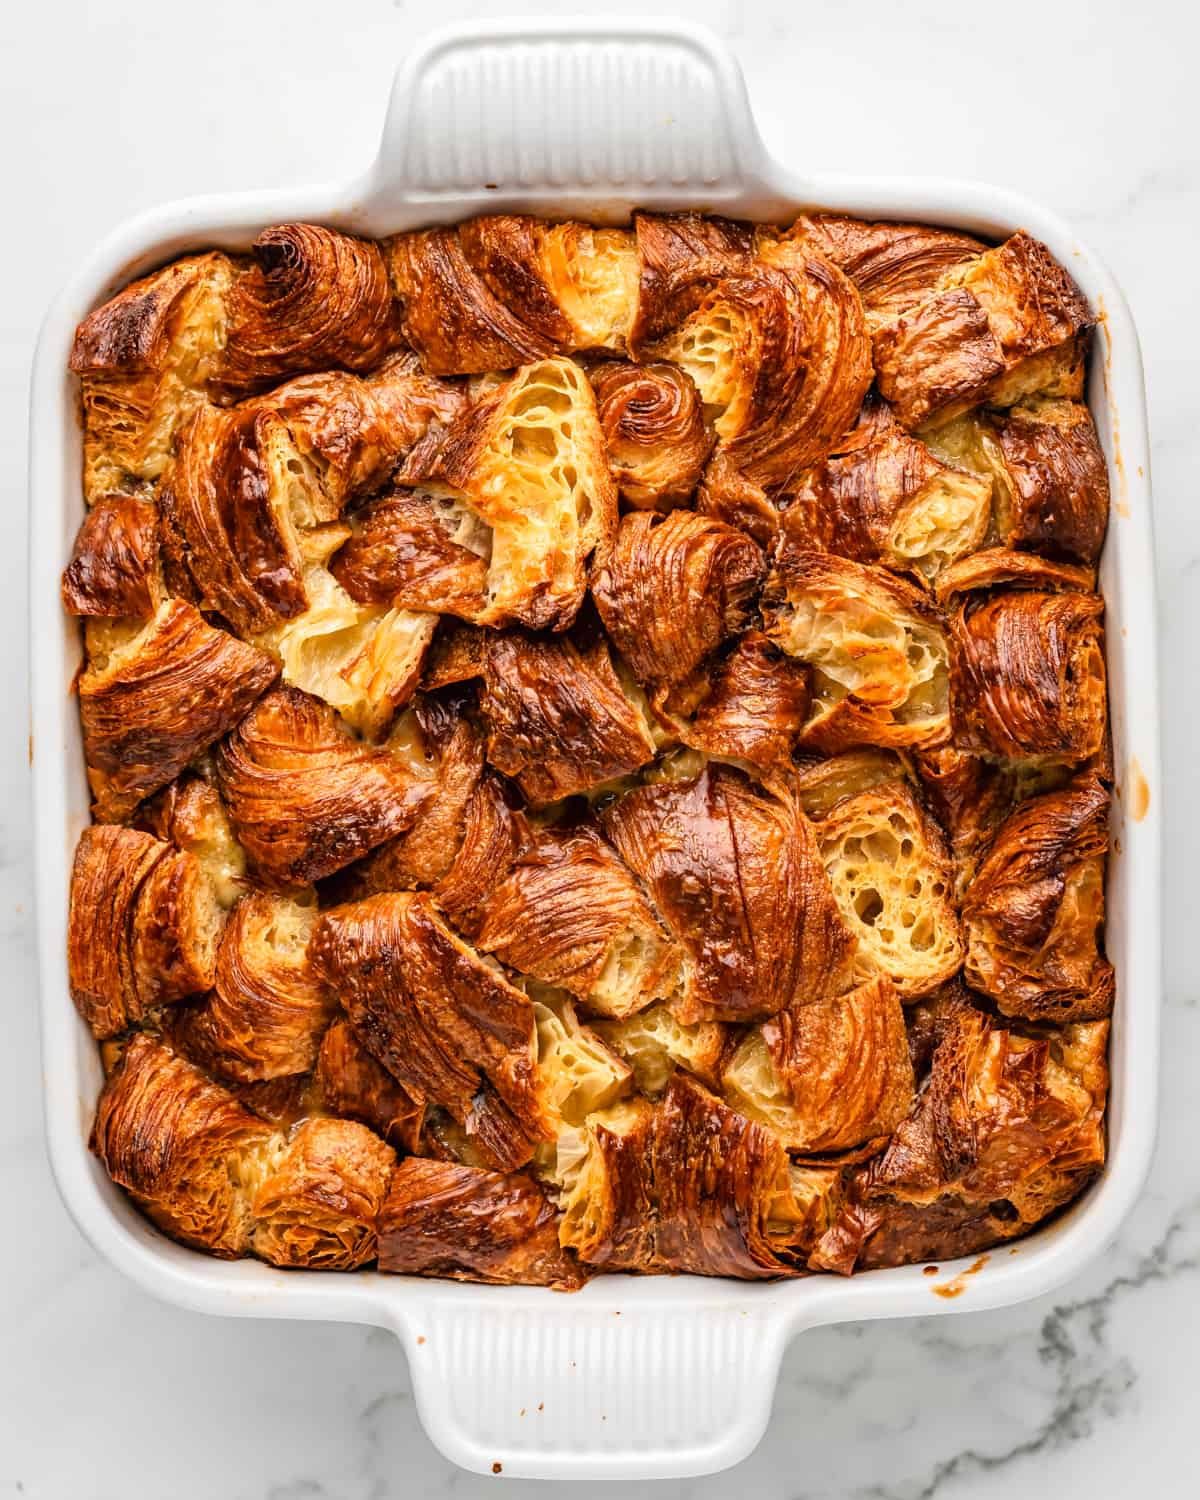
{"x": 510, "y": 1385}
{"x": 587, "y": 117}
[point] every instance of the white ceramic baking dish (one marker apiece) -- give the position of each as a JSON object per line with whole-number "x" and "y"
{"x": 631, "y": 1377}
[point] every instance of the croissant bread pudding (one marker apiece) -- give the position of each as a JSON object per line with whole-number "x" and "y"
{"x": 599, "y": 747}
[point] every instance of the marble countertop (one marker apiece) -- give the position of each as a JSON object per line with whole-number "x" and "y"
{"x": 114, "y": 105}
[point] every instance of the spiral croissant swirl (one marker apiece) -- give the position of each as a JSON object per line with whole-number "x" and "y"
{"x": 315, "y": 299}
{"x": 654, "y": 431}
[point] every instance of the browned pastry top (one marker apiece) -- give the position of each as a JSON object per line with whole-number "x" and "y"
{"x": 599, "y": 746}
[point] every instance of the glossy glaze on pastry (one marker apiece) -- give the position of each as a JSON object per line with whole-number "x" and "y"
{"x": 599, "y": 747}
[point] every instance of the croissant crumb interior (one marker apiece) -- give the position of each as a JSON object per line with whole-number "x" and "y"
{"x": 599, "y": 747}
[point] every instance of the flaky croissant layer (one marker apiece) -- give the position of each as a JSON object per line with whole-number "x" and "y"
{"x": 599, "y": 747}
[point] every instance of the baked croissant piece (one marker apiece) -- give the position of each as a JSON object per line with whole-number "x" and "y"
{"x": 443, "y": 1022}
{"x": 1034, "y": 911}
{"x": 559, "y": 720}
{"x": 155, "y": 695}
{"x": 673, "y": 588}
{"x": 306, "y": 798}
{"x": 780, "y": 352}
{"x": 314, "y": 299}
{"x": 417, "y": 550}
{"x": 246, "y": 480}
{"x": 320, "y": 1206}
{"x": 894, "y": 884}
{"x": 685, "y": 1185}
{"x": 996, "y": 566}
{"x": 1010, "y": 323}
{"x": 443, "y": 1219}
{"x": 883, "y": 497}
{"x": 1047, "y": 472}
{"x": 569, "y": 913}
{"x": 1028, "y": 675}
{"x": 750, "y": 704}
{"x": 189, "y": 813}
{"x": 1007, "y": 1129}
{"x": 528, "y": 460}
{"x": 114, "y": 569}
{"x": 145, "y": 359}
{"x": 364, "y": 660}
{"x": 876, "y": 646}
{"x": 268, "y": 1009}
{"x": 212, "y": 1174}
{"x": 681, "y": 258}
{"x": 506, "y": 289}
{"x": 828, "y": 1075}
{"x": 893, "y": 266}
{"x": 654, "y": 429}
{"x": 735, "y": 873}
{"x": 438, "y": 739}
{"x": 350, "y": 1082}
{"x": 142, "y": 929}
{"x": 191, "y": 1156}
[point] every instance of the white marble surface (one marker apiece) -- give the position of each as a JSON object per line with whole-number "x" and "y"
{"x": 109, "y": 106}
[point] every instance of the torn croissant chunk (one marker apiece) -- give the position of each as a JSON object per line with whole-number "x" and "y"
{"x": 142, "y": 929}
{"x": 306, "y": 798}
{"x": 569, "y": 913}
{"x": 829, "y": 1075}
{"x": 505, "y": 289}
{"x": 444, "y": 1219}
{"x": 559, "y": 719}
{"x": 735, "y": 873}
{"x": 673, "y": 589}
{"x": 883, "y": 497}
{"x": 1007, "y": 1129}
{"x": 894, "y": 884}
{"x": 1007, "y": 324}
{"x": 876, "y": 645}
{"x": 1028, "y": 674}
{"x": 687, "y": 1184}
{"x": 158, "y": 695}
{"x": 529, "y": 461}
{"x": 268, "y": 1009}
{"x": 214, "y": 1175}
{"x": 449, "y": 1026}
{"x": 1034, "y": 910}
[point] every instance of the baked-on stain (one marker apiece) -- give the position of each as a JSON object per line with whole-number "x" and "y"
{"x": 931, "y": 1270}
{"x": 1139, "y": 791}
{"x": 958, "y": 1285}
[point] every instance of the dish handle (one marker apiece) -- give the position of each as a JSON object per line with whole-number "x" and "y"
{"x": 585, "y": 116}
{"x": 508, "y": 1383}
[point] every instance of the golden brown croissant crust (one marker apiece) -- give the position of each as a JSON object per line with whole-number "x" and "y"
{"x": 1007, "y": 1129}
{"x": 735, "y": 873}
{"x": 315, "y": 300}
{"x": 654, "y": 431}
{"x": 883, "y": 497}
{"x": 673, "y": 589}
{"x": 1034, "y": 910}
{"x": 599, "y": 746}
{"x": 158, "y": 699}
{"x": 559, "y": 720}
{"x": 114, "y": 568}
{"x": 306, "y": 798}
{"x": 442, "y": 1219}
{"x": 452, "y": 1029}
{"x": 1028, "y": 675}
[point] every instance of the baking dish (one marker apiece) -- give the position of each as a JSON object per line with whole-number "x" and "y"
{"x": 631, "y": 1378}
